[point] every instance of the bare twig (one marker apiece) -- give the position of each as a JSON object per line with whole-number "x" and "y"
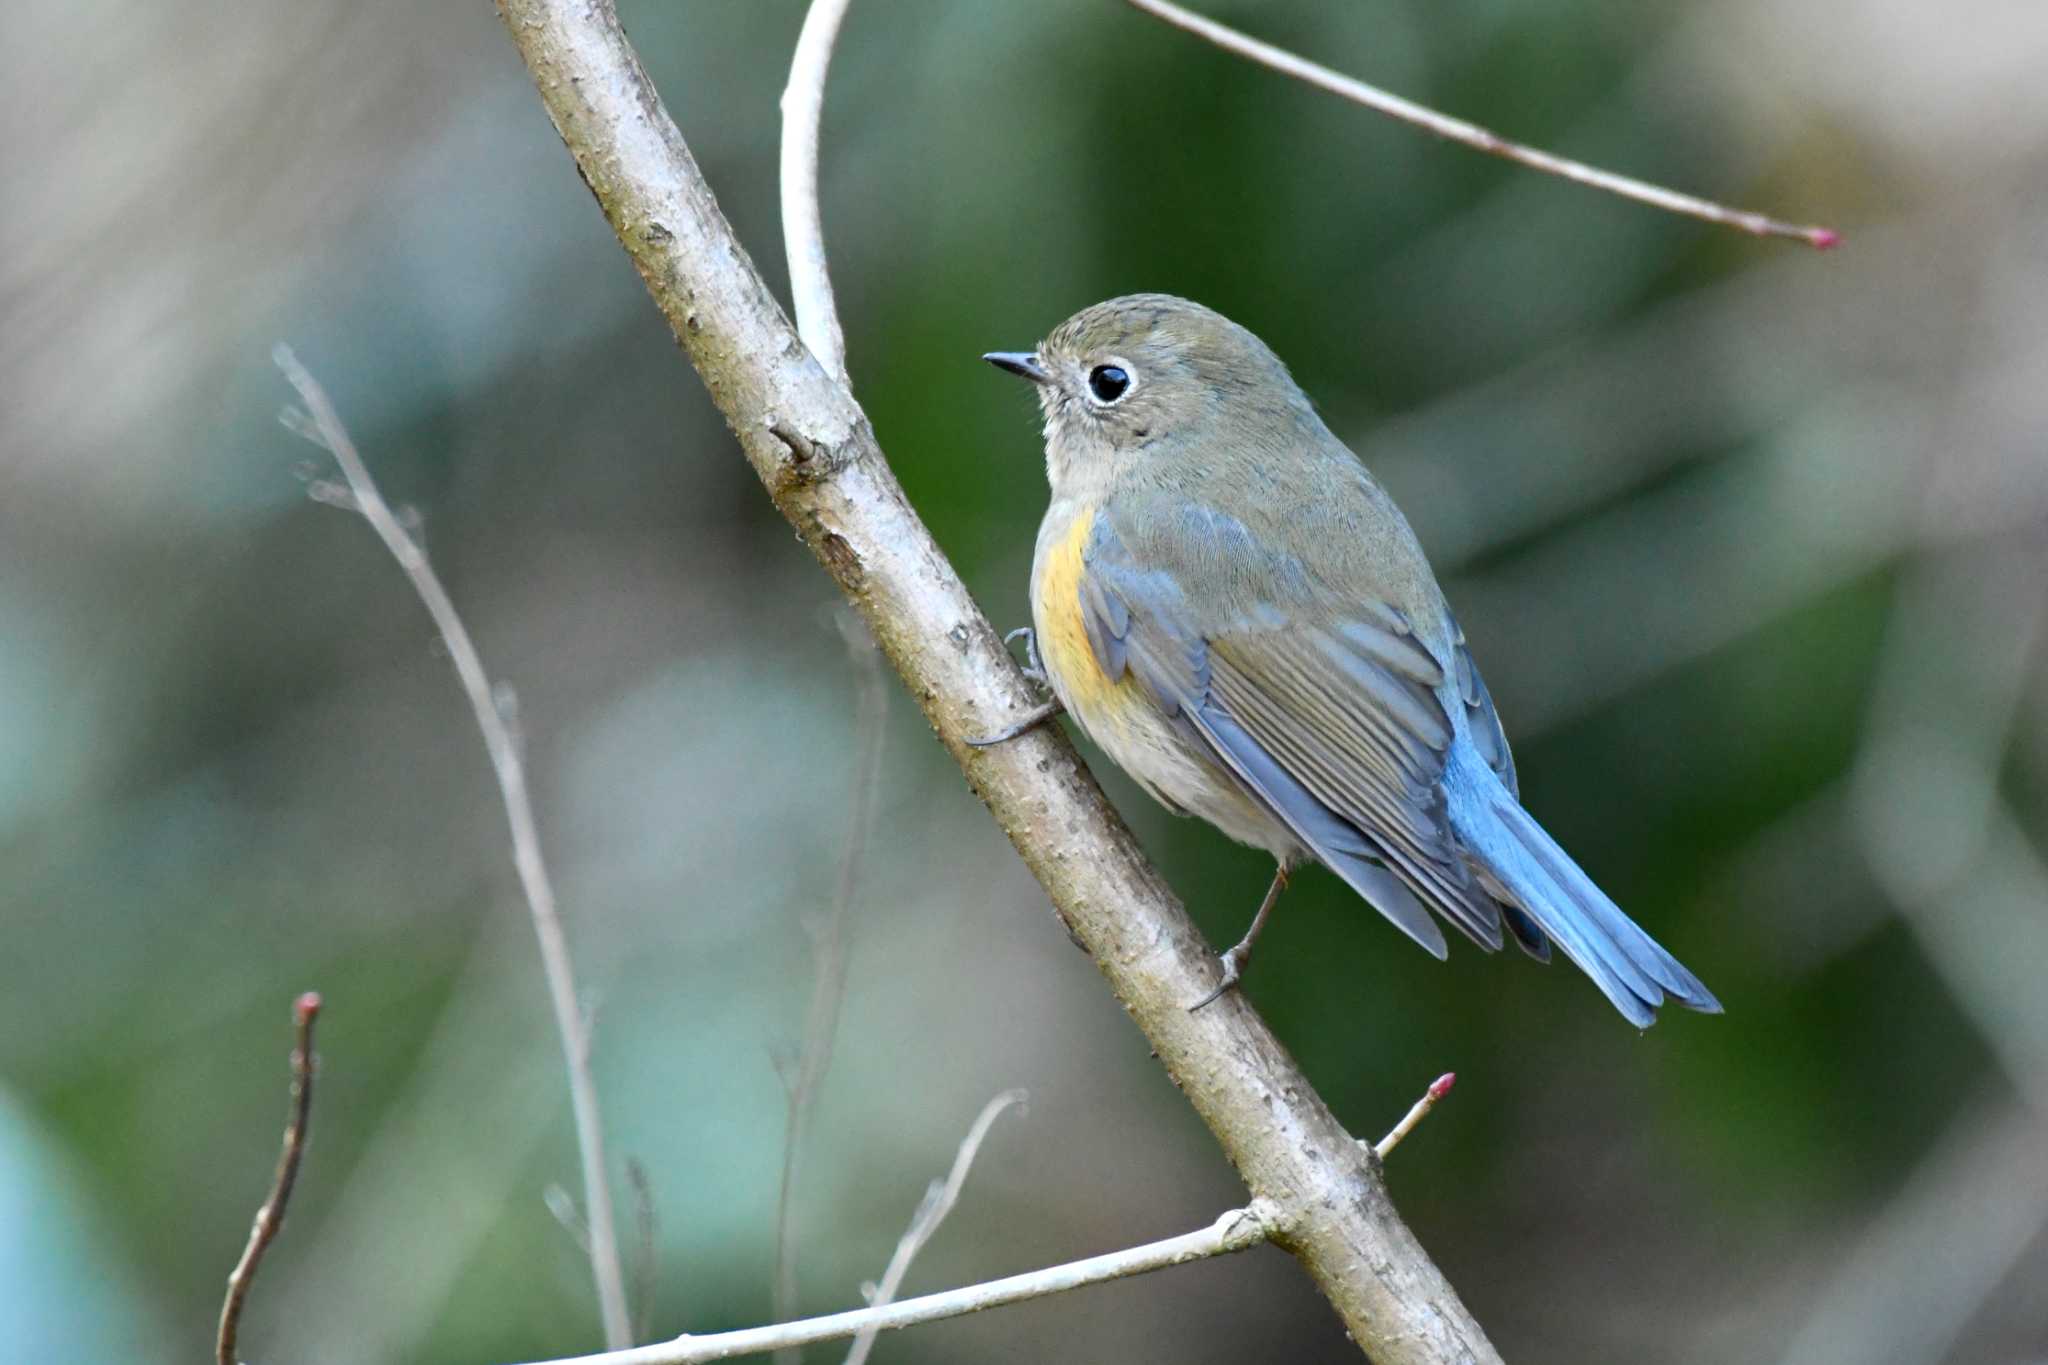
{"x": 828, "y": 987}
{"x": 1417, "y": 1112}
{"x": 1472, "y": 135}
{"x": 1234, "y": 1231}
{"x": 647, "y": 1265}
{"x": 270, "y": 1217}
{"x": 803, "y": 229}
{"x": 1301, "y": 1166}
{"x": 503, "y": 747}
{"x": 938, "y": 1201}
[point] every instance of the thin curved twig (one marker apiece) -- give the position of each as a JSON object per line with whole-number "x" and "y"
{"x": 1472, "y": 135}
{"x": 326, "y": 430}
{"x": 938, "y": 1201}
{"x": 1236, "y": 1230}
{"x": 828, "y": 986}
{"x": 803, "y": 226}
{"x": 270, "y": 1217}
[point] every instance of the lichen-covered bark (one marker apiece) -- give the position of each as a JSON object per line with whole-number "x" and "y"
{"x": 816, "y": 454}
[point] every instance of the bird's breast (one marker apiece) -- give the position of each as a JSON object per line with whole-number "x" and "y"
{"x": 1120, "y": 715}
{"x": 1077, "y": 676}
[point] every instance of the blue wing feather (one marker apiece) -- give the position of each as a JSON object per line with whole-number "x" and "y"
{"x": 1137, "y": 621}
{"x": 1390, "y": 766}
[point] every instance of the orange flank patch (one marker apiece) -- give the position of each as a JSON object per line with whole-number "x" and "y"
{"x": 1063, "y": 640}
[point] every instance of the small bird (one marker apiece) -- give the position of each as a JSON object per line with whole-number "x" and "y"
{"x": 1236, "y": 612}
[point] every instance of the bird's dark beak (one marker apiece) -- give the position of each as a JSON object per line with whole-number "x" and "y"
{"x": 1021, "y": 363}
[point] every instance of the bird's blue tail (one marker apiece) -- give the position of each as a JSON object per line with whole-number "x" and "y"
{"x": 1524, "y": 866}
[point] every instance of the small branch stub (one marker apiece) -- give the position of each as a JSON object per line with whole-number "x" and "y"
{"x": 802, "y": 449}
{"x": 1417, "y": 1112}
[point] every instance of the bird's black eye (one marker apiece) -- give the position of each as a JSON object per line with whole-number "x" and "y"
{"x": 1108, "y": 382}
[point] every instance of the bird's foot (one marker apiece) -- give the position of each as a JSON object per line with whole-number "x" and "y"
{"x": 1232, "y": 961}
{"x": 1034, "y": 669}
{"x": 1234, "y": 958}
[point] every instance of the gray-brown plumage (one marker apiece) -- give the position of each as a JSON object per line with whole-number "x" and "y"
{"x": 1235, "y": 610}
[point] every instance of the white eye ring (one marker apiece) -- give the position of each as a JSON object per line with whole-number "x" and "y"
{"x": 1111, "y": 381}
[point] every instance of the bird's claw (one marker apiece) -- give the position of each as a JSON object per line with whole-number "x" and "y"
{"x": 1038, "y": 715}
{"x": 1232, "y": 961}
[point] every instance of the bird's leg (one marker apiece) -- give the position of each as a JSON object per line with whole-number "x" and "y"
{"x": 1234, "y": 957}
{"x": 1035, "y": 671}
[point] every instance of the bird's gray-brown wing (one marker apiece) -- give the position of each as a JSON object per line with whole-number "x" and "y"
{"x": 1329, "y": 716}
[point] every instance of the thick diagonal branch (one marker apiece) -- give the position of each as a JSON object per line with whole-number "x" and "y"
{"x": 814, "y": 450}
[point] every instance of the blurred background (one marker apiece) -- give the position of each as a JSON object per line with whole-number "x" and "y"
{"x": 1751, "y": 542}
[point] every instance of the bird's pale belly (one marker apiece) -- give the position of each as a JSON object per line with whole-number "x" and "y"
{"x": 1122, "y": 718}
